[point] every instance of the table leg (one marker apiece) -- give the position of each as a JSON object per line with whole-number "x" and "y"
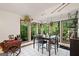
{"x": 46, "y": 46}
{"x": 49, "y": 48}
{"x": 38, "y": 46}
{"x": 57, "y": 45}
{"x": 55, "y": 49}
{"x": 42, "y": 48}
{"x": 33, "y": 43}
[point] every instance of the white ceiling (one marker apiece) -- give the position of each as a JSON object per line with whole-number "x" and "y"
{"x": 47, "y": 18}
{"x": 37, "y": 10}
{"x": 32, "y": 9}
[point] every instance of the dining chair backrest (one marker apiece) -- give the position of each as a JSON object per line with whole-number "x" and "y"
{"x": 39, "y": 38}
{"x": 54, "y": 39}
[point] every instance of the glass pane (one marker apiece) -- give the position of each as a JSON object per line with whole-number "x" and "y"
{"x": 33, "y": 30}
{"x": 24, "y": 31}
{"x": 55, "y": 28}
{"x": 45, "y": 28}
{"x": 68, "y": 26}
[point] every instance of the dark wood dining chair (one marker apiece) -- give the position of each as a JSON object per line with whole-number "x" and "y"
{"x": 54, "y": 41}
{"x": 41, "y": 42}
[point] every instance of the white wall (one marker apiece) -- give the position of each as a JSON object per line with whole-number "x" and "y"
{"x": 9, "y": 24}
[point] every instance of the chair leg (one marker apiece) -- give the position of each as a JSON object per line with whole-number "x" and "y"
{"x": 38, "y": 46}
{"x": 46, "y": 46}
{"x": 49, "y": 48}
{"x": 33, "y": 43}
{"x": 57, "y": 45}
{"x": 55, "y": 49}
{"x": 42, "y": 48}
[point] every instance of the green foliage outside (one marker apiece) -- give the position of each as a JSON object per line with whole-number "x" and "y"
{"x": 24, "y": 32}
{"x": 67, "y": 25}
{"x": 55, "y": 29}
{"x": 24, "y": 28}
{"x": 39, "y": 28}
{"x": 65, "y": 30}
{"x": 33, "y": 30}
{"x": 45, "y": 28}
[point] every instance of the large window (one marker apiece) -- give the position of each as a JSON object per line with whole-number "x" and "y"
{"x": 45, "y": 28}
{"x": 39, "y": 28}
{"x": 55, "y": 28}
{"x": 24, "y": 31}
{"x": 33, "y": 30}
{"x": 68, "y": 26}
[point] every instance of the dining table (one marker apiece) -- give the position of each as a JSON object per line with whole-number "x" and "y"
{"x": 50, "y": 40}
